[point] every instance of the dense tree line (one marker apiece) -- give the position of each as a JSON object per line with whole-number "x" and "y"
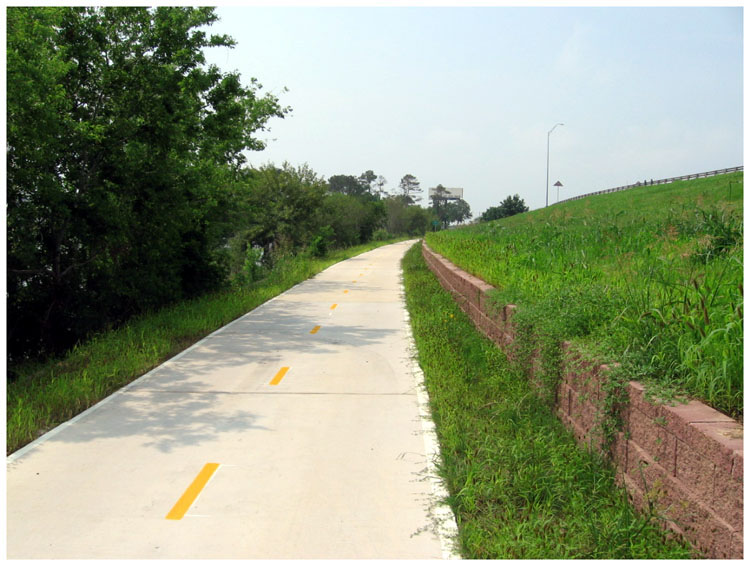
{"x": 124, "y": 149}
{"x": 127, "y": 187}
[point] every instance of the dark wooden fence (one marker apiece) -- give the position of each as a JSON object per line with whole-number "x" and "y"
{"x": 659, "y": 182}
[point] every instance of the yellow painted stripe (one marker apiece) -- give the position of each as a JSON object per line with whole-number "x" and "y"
{"x": 192, "y": 492}
{"x": 346, "y": 290}
{"x": 279, "y": 376}
{"x": 314, "y": 330}
{"x": 334, "y": 305}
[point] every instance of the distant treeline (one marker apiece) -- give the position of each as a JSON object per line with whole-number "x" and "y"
{"x": 127, "y": 188}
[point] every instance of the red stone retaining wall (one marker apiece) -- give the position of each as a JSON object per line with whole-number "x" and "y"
{"x": 685, "y": 460}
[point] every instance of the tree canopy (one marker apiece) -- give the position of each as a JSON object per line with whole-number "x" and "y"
{"x": 127, "y": 182}
{"x": 123, "y": 149}
{"x": 449, "y": 210}
{"x": 410, "y": 188}
{"x": 509, "y": 207}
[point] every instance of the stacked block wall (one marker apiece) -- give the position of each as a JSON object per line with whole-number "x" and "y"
{"x": 687, "y": 460}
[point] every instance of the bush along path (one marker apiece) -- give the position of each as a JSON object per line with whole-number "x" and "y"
{"x": 519, "y": 485}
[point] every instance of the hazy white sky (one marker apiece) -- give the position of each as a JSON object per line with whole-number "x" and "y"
{"x": 465, "y": 97}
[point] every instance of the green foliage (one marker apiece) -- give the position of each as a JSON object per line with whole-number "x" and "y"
{"x": 253, "y": 268}
{"x": 410, "y": 189}
{"x": 449, "y": 211}
{"x": 518, "y": 484}
{"x": 123, "y": 152}
{"x": 276, "y": 207}
{"x": 509, "y": 207}
{"x": 346, "y": 184}
{"x": 368, "y": 186}
{"x": 722, "y": 232}
{"x": 456, "y": 212}
{"x": 404, "y": 218}
{"x": 321, "y": 242}
{"x": 651, "y": 276}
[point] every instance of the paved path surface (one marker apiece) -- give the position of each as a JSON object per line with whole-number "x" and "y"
{"x": 221, "y": 453}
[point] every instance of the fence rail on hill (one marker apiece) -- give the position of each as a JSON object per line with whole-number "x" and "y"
{"x": 659, "y": 182}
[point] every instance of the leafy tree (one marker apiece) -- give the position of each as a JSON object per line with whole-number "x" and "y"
{"x": 405, "y": 219}
{"x": 346, "y": 184}
{"x": 492, "y": 213}
{"x": 123, "y": 151}
{"x": 418, "y": 220}
{"x": 447, "y": 209}
{"x": 372, "y": 184}
{"x": 457, "y": 211}
{"x": 368, "y": 185}
{"x": 396, "y": 218}
{"x": 379, "y": 184}
{"x": 367, "y": 180}
{"x": 509, "y": 207}
{"x": 410, "y": 188}
{"x": 279, "y": 207}
{"x": 440, "y": 197}
{"x": 354, "y": 220}
{"x": 344, "y": 214}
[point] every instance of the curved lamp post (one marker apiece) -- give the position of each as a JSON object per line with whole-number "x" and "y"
{"x": 546, "y": 202}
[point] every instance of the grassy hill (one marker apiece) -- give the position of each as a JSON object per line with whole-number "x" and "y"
{"x": 650, "y": 277}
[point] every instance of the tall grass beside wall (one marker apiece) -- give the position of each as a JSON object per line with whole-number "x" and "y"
{"x": 45, "y": 394}
{"x": 651, "y": 277}
{"x": 519, "y": 485}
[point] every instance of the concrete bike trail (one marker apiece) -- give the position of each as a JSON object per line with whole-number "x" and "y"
{"x": 297, "y": 431}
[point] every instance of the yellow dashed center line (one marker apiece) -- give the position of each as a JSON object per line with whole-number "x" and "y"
{"x": 334, "y": 305}
{"x": 279, "y": 376}
{"x": 314, "y": 330}
{"x": 192, "y": 492}
{"x": 346, "y": 290}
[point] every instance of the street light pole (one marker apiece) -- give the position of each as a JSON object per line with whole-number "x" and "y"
{"x": 546, "y": 202}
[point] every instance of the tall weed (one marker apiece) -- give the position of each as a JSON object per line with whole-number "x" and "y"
{"x": 650, "y": 275}
{"x": 518, "y": 484}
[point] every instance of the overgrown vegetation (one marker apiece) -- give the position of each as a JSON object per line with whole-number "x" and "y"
{"x": 124, "y": 149}
{"x": 650, "y": 278}
{"x": 128, "y": 188}
{"x": 129, "y": 195}
{"x": 47, "y": 393}
{"x": 519, "y": 486}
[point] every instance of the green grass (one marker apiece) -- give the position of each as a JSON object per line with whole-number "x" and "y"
{"x": 519, "y": 485}
{"x": 650, "y": 277}
{"x": 50, "y": 392}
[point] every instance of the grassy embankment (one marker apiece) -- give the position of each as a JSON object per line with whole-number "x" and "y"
{"x": 48, "y": 393}
{"x": 650, "y": 277}
{"x": 519, "y": 485}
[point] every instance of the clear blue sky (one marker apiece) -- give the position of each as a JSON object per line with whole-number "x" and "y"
{"x": 465, "y": 97}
